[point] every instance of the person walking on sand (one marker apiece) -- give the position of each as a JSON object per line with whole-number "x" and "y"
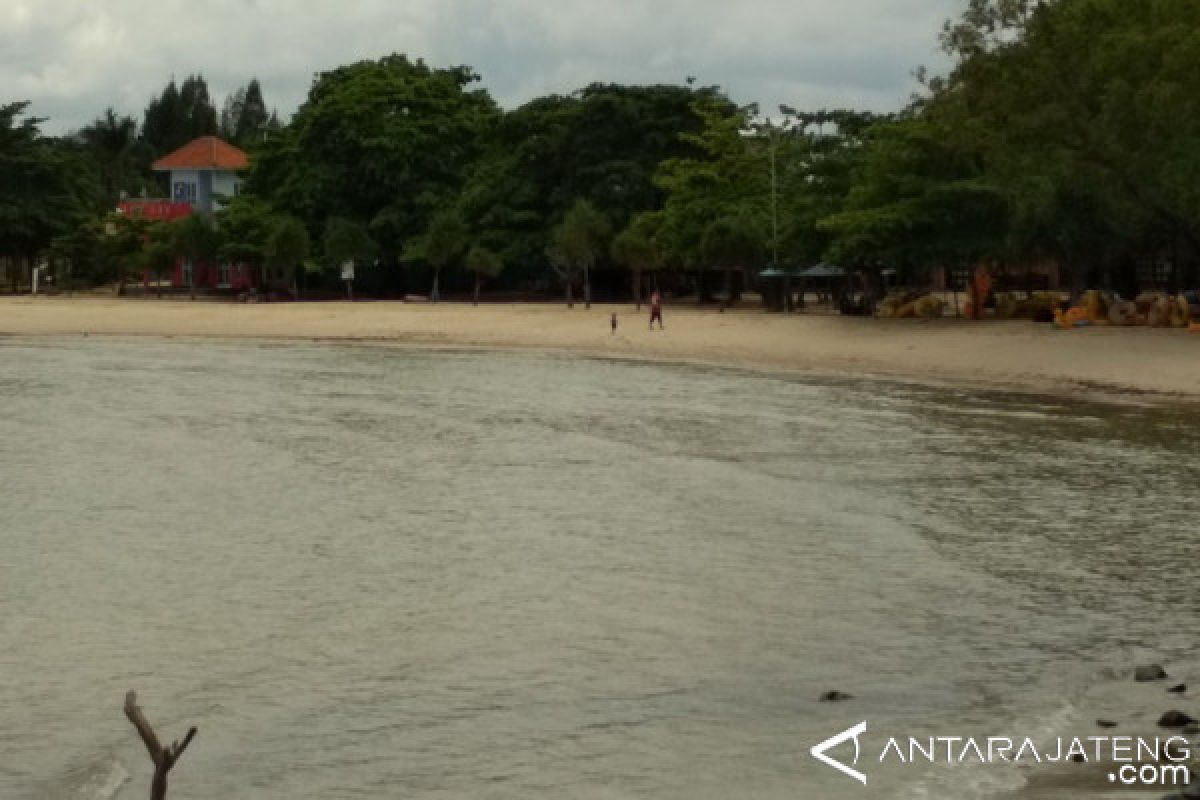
{"x": 656, "y": 310}
{"x": 614, "y": 323}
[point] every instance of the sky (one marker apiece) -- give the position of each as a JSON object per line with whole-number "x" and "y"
{"x": 74, "y": 58}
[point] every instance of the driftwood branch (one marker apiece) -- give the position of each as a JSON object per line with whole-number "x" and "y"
{"x": 163, "y": 757}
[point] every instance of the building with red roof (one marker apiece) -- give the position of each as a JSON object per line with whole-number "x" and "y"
{"x": 203, "y": 171}
{"x": 201, "y": 175}
{"x": 205, "y": 153}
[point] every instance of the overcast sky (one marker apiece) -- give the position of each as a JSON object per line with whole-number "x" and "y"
{"x": 73, "y": 58}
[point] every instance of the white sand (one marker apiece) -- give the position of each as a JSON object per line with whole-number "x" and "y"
{"x": 1018, "y": 355}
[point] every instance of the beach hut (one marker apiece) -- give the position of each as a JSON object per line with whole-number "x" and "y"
{"x": 775, "y": 285}
{"x": 828, "y": 280}
{"x": 823, "y": 271}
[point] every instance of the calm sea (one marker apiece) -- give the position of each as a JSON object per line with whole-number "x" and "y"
{"x": 380, "y": 573}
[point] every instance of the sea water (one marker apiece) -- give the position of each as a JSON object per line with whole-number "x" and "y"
{"x": 367, "y": 572}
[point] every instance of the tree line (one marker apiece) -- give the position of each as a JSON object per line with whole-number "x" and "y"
{"x": 1064, "y": 131}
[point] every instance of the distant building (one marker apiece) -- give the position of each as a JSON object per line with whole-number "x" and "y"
{"x": 202, "y": 172}
{"x": 201, "y": 176}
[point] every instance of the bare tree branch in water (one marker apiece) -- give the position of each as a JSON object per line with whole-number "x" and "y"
{"x": 163, "y": 757}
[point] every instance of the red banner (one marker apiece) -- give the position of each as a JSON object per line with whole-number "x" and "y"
{"x": 155, "y": 209}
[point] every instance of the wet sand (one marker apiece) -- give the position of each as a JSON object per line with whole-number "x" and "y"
{"x": 1129, "y": 363}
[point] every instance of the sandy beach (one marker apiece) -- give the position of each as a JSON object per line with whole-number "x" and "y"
{"x": 1020, "y": 355}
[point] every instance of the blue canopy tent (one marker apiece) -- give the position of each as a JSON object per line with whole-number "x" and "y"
{"x": 776, "y": 288}
{"x": 823, "y": 270}
{"x": 831, "y": 283}
{"x": 837, "y": 284}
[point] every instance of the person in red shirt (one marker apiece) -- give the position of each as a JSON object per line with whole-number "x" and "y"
{"x": 656, "y": 310}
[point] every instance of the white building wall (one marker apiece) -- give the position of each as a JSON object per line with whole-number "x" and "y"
{"x": 224, "y": 183}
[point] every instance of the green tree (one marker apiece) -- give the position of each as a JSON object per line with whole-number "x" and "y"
{"x": 123, "y": 240}
{"x": 178, "y": 115}
{"x": 163, "y": 121}
{"x": 388, "y": 134}
{"x": 503, "y": 205}
{"x": 245, "y": 120}
{"x": 917, "y": 201}
{"x": 1094, "y": 100}
{"x": 196, "y": 240}
{"x": 47, "y": 187}
{"x": 159, "y": 254}
{"x": 246, "y": 223}
{"x": 199, "y": 113}
{"x": 79, "y": 255}
{"x": 441, "y": 245}
{"x": 121, "y": 157}
{"x": 347, "y": 242}
{"x": 610, "y": 140}
{"x": 729, "y": 176}
{"x": 604, "y": 142}
{"x": 575, "y": 246}
{"x": 286, "y": 249}
{"x": 482, "y": 263}
{"x": 731, "y": 243}
{"x": 815, "y": 155}
{"x": 636, "y": 248}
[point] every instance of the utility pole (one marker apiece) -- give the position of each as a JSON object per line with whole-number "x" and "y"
{"x": 756, "y": 131}
{"x": 774, "y": 199}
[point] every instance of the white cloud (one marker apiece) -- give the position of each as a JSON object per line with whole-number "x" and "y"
{"x": 73, "y": 58}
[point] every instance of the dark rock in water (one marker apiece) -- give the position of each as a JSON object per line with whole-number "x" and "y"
{"x": 1190, "y": 793}
{"x": 836, "y": 697}
{"x": 1148, "y": 673}
{"x": 1106, "y": 723}
{"x": 1191, "y": 730}
{"x": 1079, "y": 758}
{"x": 1180, "y": 689}
{"x": 1175, "y": 719}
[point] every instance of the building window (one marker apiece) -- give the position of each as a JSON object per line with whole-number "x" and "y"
{"x": 187, "y": 273}
{"x": 223, "y": 277}
{"x": 184, "y": 192}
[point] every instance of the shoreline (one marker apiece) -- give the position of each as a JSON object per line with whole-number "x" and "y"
{"x": 1125, "y": 365}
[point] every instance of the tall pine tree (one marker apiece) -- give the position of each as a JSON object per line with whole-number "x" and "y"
{"x": 178, "y": 115}
{"x": 245, "y": 119}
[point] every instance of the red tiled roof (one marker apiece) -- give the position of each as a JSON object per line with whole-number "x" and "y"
{"x": 207, "y": 152}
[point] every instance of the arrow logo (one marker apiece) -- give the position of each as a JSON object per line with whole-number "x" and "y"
{"x": 819, "y": 752}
